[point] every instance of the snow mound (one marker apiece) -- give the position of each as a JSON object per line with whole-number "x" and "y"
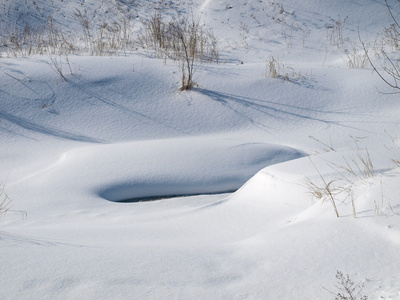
{"x": 156, "y": 169}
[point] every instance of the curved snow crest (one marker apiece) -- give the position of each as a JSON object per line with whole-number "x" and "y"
{"x": 194, "y": 166}
{"x": 156, "y": 168}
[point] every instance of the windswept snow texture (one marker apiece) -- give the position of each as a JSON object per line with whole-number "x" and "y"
{"x": 240, "y": 166}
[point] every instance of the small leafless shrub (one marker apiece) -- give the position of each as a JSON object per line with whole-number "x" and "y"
{"x": 184, "y": 40}
{"x": 347, "y": 289}
{"x": 389, "y": 70}
{"x": 170, "y": 37}
{"x": 391, "y": 37}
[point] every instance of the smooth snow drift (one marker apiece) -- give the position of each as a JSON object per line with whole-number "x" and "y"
{"x": 261, "y": 155}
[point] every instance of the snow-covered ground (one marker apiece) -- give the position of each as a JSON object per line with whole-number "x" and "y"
{"x": 230, "y": 166}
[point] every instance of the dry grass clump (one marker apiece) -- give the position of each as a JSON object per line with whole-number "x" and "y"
{"x": 184, "y": 41}
{"x": 356, "y": 59}
{"x": 47, "y": 39}
{"x": 356, "y": 168}
{"x": 275, "y": 69}
{"x": 171, "y": 38}
{"x": 104, "y": 38}
{"x": 325, "y": 190}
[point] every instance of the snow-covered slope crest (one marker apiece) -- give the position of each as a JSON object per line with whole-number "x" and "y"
{"x": 75, "y": 147}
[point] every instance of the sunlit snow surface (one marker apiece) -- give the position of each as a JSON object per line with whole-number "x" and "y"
{"x": 77, "y": 156}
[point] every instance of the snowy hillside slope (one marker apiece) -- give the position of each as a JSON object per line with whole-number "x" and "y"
{"x": 239, "y": 169}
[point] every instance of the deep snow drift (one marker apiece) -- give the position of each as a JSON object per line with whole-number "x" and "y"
{"x": 246, "y": 158}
